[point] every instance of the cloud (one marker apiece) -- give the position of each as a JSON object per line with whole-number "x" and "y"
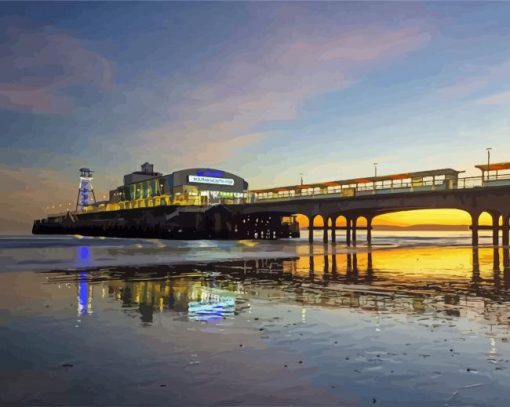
{"x": 464, "y": 88}
{"x": 498, "y": 99}
{"x": 476, "y": 78}
{"x": 271, "y": 82}
{"x": 27, "y": 192}
{"x": 39, "y": 65}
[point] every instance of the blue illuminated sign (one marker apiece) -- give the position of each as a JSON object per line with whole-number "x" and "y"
{"x": 210, "y": 173}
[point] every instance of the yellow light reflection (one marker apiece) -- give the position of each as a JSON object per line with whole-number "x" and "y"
{"x": 418, "y": 264}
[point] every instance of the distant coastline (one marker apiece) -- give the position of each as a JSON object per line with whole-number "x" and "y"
{"x": 422, "y": 227}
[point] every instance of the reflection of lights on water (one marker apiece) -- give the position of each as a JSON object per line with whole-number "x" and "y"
{"x": 493, "y": 350}
{"x": 84, "y": 300}
{"x": 214, "y": 308}
{"x": 83, "y": 256}
{"x": 84, "y": 252}
{"x": 83, "y": 294}
{"x": 493, "y": 347}
{"x": 303, "y": 314}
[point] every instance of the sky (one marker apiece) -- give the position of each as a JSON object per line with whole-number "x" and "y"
{"x": 264, "y": 90}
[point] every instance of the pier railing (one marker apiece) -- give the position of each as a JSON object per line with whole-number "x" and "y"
{"x": 349, "y": 191}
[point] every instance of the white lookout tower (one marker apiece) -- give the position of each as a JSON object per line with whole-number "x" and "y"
{"x": 86, "y": 194}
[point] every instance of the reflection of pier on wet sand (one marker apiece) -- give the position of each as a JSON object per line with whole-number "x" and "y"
{"x": 395, "y": 280}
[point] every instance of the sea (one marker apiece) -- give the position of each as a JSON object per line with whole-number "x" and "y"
{"x": 419, "y": 318}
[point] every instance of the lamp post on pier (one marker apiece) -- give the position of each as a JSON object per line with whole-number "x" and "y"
{"x": 375, "y": 170}
{"x": 488, "y": 161}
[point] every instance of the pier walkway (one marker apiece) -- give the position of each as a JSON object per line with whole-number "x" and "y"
{"x": 372, "y": 196}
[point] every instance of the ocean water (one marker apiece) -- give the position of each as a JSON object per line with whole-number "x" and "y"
{"x": 419, "y": 318}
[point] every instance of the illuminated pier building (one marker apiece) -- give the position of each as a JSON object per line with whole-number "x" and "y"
{"x": 196, "y": 186}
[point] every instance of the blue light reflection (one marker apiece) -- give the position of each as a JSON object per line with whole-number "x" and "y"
{"x": 83, "y": 256}
{"x": 83, "y": 293}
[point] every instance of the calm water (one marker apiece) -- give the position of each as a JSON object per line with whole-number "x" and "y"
{"x": 418, "y": 319}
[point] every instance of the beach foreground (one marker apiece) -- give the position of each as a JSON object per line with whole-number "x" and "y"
{"x": 92, "y": 322}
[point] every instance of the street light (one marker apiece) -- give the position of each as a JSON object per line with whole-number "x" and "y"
{"x": 301, "y": 177}
{"x": 488, "y": 160}
{"x": 375, "y": 170}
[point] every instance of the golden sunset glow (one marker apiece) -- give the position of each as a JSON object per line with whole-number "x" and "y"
{"x": 451, "y": 217}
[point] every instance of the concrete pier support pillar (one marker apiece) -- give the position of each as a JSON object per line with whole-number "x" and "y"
{"x": 476, "y": 265}
{"x": 495, "y": 258}
{"x": 496, "y": 272}
{"x": 506, "y": 267}
{"x": 369, "y": 230}
{"x": 370, "y": 268}
{"x": 495, "y": 235}
{"x": 310, "y": 229}
{"x": 354, "y": 224}
{"x": 506, "y": 229}
{"x": 333, "y": 229}
{"x": 348, "y": 223}
{"x": 325, "y": 230}
{"x": 474, "y": 229}
{"x": 311, "y": 260}
{"x": 495, "y": 229}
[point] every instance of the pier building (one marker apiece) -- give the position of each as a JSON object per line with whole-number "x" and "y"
{"x": 195, "y": 186}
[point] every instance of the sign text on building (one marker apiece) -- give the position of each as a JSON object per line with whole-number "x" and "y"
{"x": 210, "y": 180}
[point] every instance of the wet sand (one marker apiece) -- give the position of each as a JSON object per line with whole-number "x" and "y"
{"x": 392, "y": 325}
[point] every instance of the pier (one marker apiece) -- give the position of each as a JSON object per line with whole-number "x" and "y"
{"x": 370, "y": 197}
{"x": 184, "y": 205}
{"x": 475, "y": 201}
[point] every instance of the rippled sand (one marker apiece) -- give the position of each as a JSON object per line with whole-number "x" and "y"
{"x": 395, "y": 325}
